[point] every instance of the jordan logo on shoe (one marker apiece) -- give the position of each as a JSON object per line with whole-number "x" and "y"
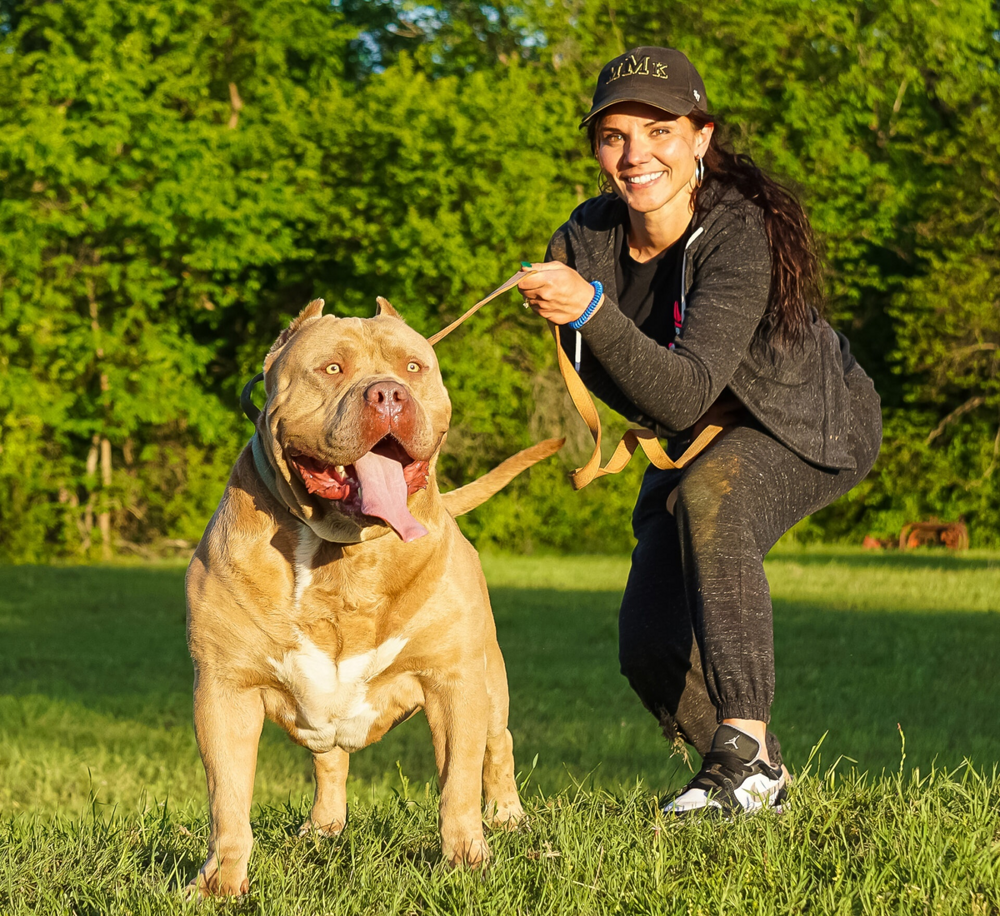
{"x": 734, "y": 743}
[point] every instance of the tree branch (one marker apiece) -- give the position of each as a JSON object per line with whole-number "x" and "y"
{"x": 970, "y": 404}
{"x": 976, "y": 348}
{"x": 236, "y": 103}
{"x": 996, "y": 455}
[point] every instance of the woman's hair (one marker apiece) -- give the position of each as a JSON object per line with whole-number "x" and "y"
{"x": 796, "y": 285}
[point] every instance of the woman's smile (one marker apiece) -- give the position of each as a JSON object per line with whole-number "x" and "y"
{"x": 649, "y": 156}
{"x": 643, "y": 180}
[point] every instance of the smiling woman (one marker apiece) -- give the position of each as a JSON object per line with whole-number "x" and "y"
{"x": 691, "y": 286}
{"x": 650, "y": 159}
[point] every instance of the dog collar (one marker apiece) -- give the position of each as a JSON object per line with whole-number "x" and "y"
{"x": 264, "y": 469}
{"x": 251, "y": 410}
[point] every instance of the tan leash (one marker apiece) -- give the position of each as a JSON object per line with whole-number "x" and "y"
{"x": 502, "y": 288}
{"x": 584, "y": 404}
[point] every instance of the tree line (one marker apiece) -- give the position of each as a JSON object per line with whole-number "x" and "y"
{"x": 178, "y": 178}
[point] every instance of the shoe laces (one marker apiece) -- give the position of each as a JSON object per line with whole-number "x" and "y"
{"x": 720, "y": 770}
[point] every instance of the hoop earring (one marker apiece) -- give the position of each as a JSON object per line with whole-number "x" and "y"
{"x": 699, "y": 171}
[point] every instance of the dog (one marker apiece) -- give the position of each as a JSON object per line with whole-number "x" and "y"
{"x": 334, "y": 593}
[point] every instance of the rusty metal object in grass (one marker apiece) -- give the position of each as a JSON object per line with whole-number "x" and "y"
{"x": 953, "y": 535}
{"x": 873, "y": 543}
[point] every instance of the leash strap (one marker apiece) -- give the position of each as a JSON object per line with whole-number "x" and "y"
{"x": 584, "y": 404}
{"x": 502, "y": 288}
{"x": 633, "y": 438}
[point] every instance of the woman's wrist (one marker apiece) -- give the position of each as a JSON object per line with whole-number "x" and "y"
{"x": 595, "y": 303}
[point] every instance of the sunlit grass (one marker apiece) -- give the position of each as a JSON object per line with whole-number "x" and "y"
{"x": 100, "y": 772}
{"x": 920, "y": 844}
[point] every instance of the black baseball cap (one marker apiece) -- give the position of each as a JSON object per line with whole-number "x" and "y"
{"x": 661, "y": 77}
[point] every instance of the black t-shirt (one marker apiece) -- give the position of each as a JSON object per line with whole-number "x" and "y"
{"x": 650, "y": 293}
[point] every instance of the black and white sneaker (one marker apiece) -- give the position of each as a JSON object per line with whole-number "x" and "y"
{"x": 733, "y": 779}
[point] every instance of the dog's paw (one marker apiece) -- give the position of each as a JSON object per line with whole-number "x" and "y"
{"x": 504, "y": 815}
{"x": 326, "y": 830}
{"x": 210, "y": 884}
{"x": 471, "y": 854}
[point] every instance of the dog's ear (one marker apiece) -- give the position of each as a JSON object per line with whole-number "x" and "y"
{"x": 384, "y": 307}
{"x": 313, "y": 310}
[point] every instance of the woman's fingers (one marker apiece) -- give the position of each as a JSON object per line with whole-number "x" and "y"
{"x": 542, "y": 266}
{"x": 545, "y": 271}
{"x": 725, "y": 412}
{"x": 556, "y": 292}
{"x": 543, "y": 279}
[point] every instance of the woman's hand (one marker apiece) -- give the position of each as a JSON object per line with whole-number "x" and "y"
{"x": 556, "y": 292}
{"x": 727, "y": 412}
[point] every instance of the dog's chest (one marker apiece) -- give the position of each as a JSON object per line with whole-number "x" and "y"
{"x": 332, "y": 701}
{"x": 325, "y": 583}
{"x": 326, "y": 679}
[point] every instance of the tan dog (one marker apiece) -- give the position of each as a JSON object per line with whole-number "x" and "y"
{"x": 341, "y": 597}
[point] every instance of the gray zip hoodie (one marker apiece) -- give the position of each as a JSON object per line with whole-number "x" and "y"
{"x": 798, "y": 394}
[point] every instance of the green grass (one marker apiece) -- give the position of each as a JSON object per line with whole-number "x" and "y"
{"x": 103, "y": 795}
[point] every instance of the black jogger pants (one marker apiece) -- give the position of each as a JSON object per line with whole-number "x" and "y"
{"x": 695, "y": 630}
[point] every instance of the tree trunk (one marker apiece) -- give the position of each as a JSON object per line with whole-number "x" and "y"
{"x": 88, "y": 513}
{"x": 104, "y": 520}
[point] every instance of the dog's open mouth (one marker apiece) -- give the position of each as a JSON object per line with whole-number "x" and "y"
{"x": 376, "y": 484}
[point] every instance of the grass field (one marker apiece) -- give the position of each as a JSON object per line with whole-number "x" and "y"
{"x": 103, "y": 795}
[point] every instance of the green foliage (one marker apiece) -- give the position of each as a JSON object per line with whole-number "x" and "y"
{"x": 136, "y": 218}
{"x": 178, "y": 178}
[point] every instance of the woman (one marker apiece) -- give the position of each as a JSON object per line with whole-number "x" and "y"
{"x": 691, "y": 286}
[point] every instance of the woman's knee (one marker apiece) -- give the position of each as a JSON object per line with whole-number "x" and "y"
{"x": 716, "y": 505}
{"x": 703, "y": 491}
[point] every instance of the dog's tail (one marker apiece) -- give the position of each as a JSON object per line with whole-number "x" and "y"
{"x": 466, "y": 498}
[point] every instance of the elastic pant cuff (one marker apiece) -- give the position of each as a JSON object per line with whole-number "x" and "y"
{"x": 757, "y": 713}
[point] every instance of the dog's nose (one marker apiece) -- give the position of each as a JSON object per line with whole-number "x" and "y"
{"x": 387, "y": 397}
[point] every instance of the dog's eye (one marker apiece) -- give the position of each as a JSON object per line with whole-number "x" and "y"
{"x": 333, "y": 369}
{"x": 413, "y": 367}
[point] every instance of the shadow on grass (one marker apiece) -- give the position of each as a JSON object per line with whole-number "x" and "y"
{"x": 112, "y": 641}
{"x": 931, "y": 558}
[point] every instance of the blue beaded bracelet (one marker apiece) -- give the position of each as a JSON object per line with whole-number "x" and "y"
{"x": 590, "y": 309}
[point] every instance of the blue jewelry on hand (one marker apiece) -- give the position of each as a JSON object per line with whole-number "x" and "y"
{"x": 590, "y": 309}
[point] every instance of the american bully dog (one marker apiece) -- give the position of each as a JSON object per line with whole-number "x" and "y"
{"x": 334, "y": 593}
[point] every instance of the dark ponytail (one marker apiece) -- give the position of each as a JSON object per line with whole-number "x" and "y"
{"x": 796, "y": 285}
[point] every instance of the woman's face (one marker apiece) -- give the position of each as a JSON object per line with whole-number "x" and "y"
{"x": 650, "y": 155}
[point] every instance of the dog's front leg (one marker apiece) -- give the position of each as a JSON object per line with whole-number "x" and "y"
{"x": 329, "y": 811}
{"x": 228, "y": 722}
{"x": 503, "y": 807}
{"x": 457, "y": 715}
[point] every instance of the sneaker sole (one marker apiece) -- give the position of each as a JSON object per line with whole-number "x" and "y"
{"x": 715, "y": 810}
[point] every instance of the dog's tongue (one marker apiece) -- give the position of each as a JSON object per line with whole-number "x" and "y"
{"x": 383, "y": 494}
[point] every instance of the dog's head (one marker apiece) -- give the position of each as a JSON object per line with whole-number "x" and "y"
{"x": 356, "y": 413}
